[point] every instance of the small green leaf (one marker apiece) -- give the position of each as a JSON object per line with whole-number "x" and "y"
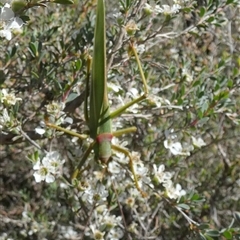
{"x": 236, "y": 70}
{"x": 180, "y": 101}
{"x": 13, "y": 51}
{"x": 221, "y": 63}
{"x": 2, "y": 77}
{"x": 203, "y": 120}
{"x": 36, "y": 155}
{"x": 187, "y": 10}
{"x": 211, "y": 19}
{"x": 25, "y": 18}
{"x": 203, "y": 226}
{"x": 227, "y": 234}
{"x": 212, "y": 233}
{"x": 64, "y": 1}
{"x": 77, "y": 64}
{"x": 208, "y": 237}
{"x": 184, "y": 206}
{"x": 200, "y": 115}
{"x": 196, "y": 83}
{"x": 210, "y": 2}
{"x": 35, "y": 74}
{"x": 182, "y": 91}
{"x": 195, "y": 197}
{"x": 202, "y": 11}
{"x": 202, "y": 236}
{"x": 201, "y": 94}
{"x": 33, "y": 49}
{"x": 204, "y": 106}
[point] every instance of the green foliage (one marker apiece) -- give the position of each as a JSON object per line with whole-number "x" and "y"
{"x": 64, "y": 1}
{"x": 191, "y": 62}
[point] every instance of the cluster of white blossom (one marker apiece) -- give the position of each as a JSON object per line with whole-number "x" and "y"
{"x": 56, "y": 115}
{"x": 165, "y": 9}
{"x": 6, "y": 99}
{"x": 93, "y": 192}
{"x": 8, "y": 22}
{"x": 105, "y": 226}
{"x": 49, "y": 167}
{"x": 177, "y": 148}
{"x": 164, "y": 178}
{"x": 94, "y": 189}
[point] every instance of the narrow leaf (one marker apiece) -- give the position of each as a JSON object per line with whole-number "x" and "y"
{"x": 98, "y": 81}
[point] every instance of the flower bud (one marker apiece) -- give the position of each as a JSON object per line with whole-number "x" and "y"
{"x": 147, "y": 9}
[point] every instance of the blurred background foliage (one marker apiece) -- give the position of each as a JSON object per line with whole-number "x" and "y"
{"x": 190, "y": 59}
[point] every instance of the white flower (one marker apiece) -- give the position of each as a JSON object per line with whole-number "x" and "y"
{"x": 55, "y": 108}
{"x": 68, "y": 120}
{"x": 97, "y": 235}
{"x": 174, "y": 192}
{"x": 48, "y": 167}
{"x": 9, "y": 22}
{"x": 140, "y": 169}
{"x": 141, "y": 48}
{"x": 167, "y": 10}
{"x": 15, "y": 23}
{"x": 8, "y": 98}
{"x": 101, "y": 209}
{"x": 52, "y": 161}
{"x": 160, "y": 175}
{"x": 176, "y": 8}
{"x": 116, "y": 88}
{"x": 131, "y": 27}
{"x": 180, "y": 2}
{"x": 176, "y": 148}
{"x": 40, "y": 130}
{"x": 198, "y": 142}
{"x": 188, "y": 76}
{"x": 179, "y": 191}
{"x": 114, "y": 167}
{"x": 6, "y": 33}
{"x": 115, "y": 234}
{"x": 102, "y": 192}
{"x": 42, "y": 173}
{"x": 110, "y": 221}
{"x": 6, "y": 13}
{"x": 99, "y": 175}
{"x": 69, "y": 232}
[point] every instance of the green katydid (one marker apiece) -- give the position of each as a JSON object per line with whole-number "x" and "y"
{"x": 97, "y": 115}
